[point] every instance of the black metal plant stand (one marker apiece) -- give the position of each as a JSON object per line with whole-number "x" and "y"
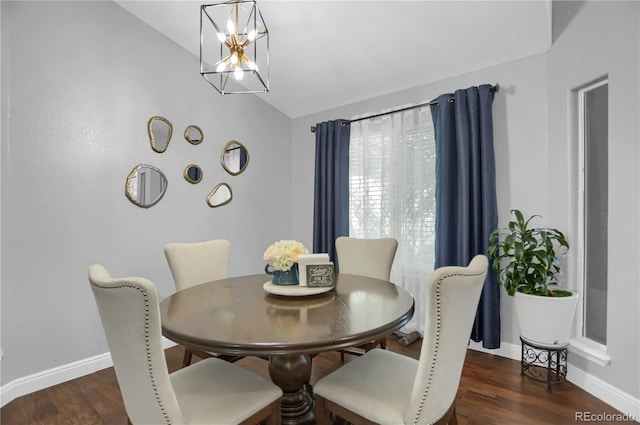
{"x": 543, "y": 363}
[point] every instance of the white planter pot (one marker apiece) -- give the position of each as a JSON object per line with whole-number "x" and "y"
{"x": 545, "y": 321}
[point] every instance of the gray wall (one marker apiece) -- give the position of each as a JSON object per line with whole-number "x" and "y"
{"x": 79, "y": 82}
{"x": 81, "y": 79}
{"x": 535, "y": 155}
{"x": 593, "y": 39}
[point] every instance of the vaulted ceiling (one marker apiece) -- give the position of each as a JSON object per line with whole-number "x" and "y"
{"x": 324, "y": 54}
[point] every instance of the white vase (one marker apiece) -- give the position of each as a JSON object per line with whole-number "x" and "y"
{"x": 545, "y": 321}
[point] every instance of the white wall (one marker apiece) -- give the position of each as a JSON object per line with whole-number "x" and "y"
{"x": 534, "y": 163}
{"x": 79, "y": 82}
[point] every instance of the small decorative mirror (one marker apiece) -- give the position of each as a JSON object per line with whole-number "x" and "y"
{"x": 235, "y": 157}
{"x": 160, "y": 131}
{"x": 145, "y": 185}
{"x": 194, "y": 134}
{"x": 193, "y": 173}
{"x": 220, "y": 195}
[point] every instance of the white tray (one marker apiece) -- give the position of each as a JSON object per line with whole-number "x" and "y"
{"x": 294, "y": 290}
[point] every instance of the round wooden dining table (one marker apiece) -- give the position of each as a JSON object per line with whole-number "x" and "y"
{"x": 238, "y": 316}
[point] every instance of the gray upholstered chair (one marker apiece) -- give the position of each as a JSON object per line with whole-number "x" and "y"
{"x": 195, "y": 263}
{"x": 384, "y": 387}
{"x": 211, "y": 391}
{"x": 366, "y": 257}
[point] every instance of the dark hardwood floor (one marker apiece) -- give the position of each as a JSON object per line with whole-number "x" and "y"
{"x": 491, "y": 392}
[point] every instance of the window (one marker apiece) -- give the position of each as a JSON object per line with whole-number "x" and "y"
{"x": 593, "y": 135}
{"x": 392, "y": 193}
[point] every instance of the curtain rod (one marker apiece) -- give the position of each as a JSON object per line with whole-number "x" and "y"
{"x": 433, "y": 102}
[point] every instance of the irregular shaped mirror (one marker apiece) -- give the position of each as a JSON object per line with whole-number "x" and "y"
{"x": 193, "y": 173}
{"x": 145, "y": 185}
{"x": 235, "y": 157}
{"x": 194, "y": 134}
{"x": 160, "y": 131}
{"x": 220, "y": 195}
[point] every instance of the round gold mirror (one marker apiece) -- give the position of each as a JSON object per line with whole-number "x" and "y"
{"x": 220, "y": 195}
{"x": 160, "y": 131}
{"x": 193, "y": 173}
{"x": 235, "y": 157}
{"x": 194, "y": 134}
{"x": 145, "y": 185}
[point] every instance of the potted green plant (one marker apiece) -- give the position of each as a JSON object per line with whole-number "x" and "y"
{"x": 527, "y": 265}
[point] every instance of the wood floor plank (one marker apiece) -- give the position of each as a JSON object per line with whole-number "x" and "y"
{"x": 12, "y": 414}
{"x": 491, "y": 392}
{"x": 37, "y": 407}
{"x": 74, "y": 406}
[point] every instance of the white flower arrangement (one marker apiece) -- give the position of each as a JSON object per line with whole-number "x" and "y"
{"x": 282, "y": 255}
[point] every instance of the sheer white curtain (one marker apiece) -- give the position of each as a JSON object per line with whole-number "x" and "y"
{"x": 392, "y": 194}
{"x": 232, "y": 159}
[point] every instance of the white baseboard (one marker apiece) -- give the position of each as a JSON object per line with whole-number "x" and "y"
{"x": 510, "y": 351}
{"x": 38, "y": 381}
{"x": 596, "y": 387}
{"x": 605, "y": 392}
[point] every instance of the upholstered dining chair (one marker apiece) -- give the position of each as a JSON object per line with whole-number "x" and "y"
{"x": 384, "y": 387}
{"x": 366, "y": 257}
{"x": 193, "y": 263}
{"x": 211, "y": 391}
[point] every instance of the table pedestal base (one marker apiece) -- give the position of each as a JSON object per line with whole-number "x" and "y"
{"x": 292, "y": 374}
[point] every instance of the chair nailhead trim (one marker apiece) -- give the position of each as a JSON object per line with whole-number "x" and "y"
{"x": 435, "y": 348}
{"x": 147, "y": 344}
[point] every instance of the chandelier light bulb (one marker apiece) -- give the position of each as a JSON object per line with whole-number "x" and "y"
{"x": 221, "y": 66}
{"x": 234, "y": 58}
{"x": 252, "y": 66}
{"x": 231, "y": 26}
{"x": 238, "y": 74}
{"x": 252, "y": 35}
{"x": 221, "y": 37}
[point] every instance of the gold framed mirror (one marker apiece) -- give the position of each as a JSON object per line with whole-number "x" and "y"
{"x": 194, "y": 134}
{"x": 193, "y": 173}
{"x": 220, "y": 195}
{"x": 160, "y": 131}
{"x": 235, "y": 157}
{"x": 145, "y": 186}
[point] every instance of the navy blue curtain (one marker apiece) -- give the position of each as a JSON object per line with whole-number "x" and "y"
{"x": 243, "y": 158}
{"x": 466, "y": 207}
{"x": 331, "y": 197}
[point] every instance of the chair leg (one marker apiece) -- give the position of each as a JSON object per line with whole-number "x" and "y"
{"x": 275, "y": 417}
{"x": 383, "y": 343}
{"x": 449, "y": 417}
{"x": 454, "y": 418}
{"x": 341, "y": 356}
{"x": 322, "y": 415}
{"x": 186, "y": 360}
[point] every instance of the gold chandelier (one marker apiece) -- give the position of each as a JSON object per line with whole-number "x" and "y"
{"x": 234, "y": 47}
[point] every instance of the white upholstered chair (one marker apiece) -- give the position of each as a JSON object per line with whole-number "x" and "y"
{"x": 197, "y": 262}
{"x": 211, "y": 391}
{"x": 366, "y": 257}
{"x": 384, "y": 387}
{"x": 193, "y": 263}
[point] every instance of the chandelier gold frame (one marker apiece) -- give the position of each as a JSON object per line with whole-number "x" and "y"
{"x": 234, "y": 47}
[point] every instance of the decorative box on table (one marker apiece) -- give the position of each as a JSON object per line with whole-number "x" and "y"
{"x": 321, "y": 259}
